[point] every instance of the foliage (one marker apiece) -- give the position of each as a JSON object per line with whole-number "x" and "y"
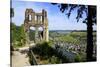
{"x": 31, "y": 35}
{"x": 43, "y": 49}
{"x": 81, "y": 9}
{"x": 54, "y": 60}
{"x": 17, "y": 35}
{"x": 46, "y": 53}
{"x": 78, "y": 58}
{"x": 13, "y": 30}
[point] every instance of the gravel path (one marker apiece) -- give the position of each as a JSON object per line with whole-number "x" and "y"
{"x": 20, "y": 59}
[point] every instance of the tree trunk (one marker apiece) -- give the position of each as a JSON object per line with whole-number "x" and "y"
{"x": 89, "y": 49}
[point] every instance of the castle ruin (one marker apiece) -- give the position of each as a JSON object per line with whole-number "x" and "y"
{"x": 36, "y": 20}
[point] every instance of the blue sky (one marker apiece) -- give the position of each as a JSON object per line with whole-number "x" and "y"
{"x": 56, "y": 19}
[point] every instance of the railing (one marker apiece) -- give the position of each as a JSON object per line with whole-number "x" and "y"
{"x": 32, "y": 58}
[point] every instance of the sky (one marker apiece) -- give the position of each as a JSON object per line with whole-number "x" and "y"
{"x": 56, "y": 19}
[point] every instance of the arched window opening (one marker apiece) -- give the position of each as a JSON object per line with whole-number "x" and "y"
{"x": 30, "y": 17}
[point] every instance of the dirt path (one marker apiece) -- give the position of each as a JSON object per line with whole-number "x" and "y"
{"x": 20, "y": 59}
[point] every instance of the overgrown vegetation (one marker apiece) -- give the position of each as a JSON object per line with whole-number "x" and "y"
{"x": 46, "y": 54}
{"x": 17, "y": 35}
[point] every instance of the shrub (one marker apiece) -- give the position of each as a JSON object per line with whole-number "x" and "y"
{"x": 77, "y": 58}
{"x": 54, "y": 60}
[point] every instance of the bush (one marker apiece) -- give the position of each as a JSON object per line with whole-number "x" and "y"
{"x": 54, "y": 60}
{"x": 77, "y": 58}
{"x": 18, "y": 37}
{"x": 43, "y": 49}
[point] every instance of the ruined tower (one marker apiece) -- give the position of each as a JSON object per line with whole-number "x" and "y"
{"x": 36, "y": 20}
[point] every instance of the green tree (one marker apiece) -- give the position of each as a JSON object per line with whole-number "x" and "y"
{"x": 22, "y": 35}
{"x": 17, "y": 35}
{"x": 13, "y": 32}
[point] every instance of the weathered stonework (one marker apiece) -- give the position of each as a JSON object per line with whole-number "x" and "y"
{"x": 36, "y": 20}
